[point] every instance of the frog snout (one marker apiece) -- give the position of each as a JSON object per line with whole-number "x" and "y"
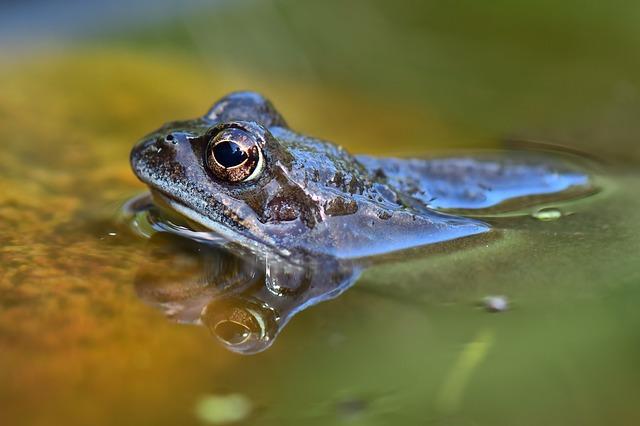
{"x": 151, "y": 156}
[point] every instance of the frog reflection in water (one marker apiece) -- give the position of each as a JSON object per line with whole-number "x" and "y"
{"x": 240, "y": 174}
{"x": 243, "y": 299}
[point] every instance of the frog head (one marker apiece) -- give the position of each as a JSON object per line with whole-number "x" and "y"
{"x": 241, "y": 172}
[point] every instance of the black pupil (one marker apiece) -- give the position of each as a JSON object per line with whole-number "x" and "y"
{"x": 229, "y": 154}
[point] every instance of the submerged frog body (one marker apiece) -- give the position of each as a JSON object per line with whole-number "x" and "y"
{"x": 241, "y": 172}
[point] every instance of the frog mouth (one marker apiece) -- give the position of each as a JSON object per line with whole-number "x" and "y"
{"x": 205, "y": 229}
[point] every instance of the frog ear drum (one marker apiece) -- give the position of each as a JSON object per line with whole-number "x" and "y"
{"x": 234, "y": 155}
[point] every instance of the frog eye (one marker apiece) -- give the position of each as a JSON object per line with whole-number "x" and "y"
{"x": 234, "y": 155}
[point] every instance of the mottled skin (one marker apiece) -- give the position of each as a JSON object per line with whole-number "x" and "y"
{"x": 312, "y": 201}
{"x": 315, "y": 198}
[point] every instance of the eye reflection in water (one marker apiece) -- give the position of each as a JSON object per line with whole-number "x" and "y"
{"x": 244, "y": 299}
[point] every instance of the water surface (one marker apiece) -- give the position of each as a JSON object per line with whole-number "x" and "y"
{"x": 410, "y": 343}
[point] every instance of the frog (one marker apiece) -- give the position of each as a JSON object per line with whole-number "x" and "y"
{"x": 242, "y": 173}
{"x": 264, "y": 222}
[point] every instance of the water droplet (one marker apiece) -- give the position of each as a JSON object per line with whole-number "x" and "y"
{"x": 496, "y": 303}
{"x": 547, "y": 214}
{"x": 221, "y": 409}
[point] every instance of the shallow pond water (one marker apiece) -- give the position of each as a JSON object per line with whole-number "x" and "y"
{"x": 412, "y": 342}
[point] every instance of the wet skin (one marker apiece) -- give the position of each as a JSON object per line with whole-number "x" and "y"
{"x": 274, "y": 222}
{"x": 241, "y": 172}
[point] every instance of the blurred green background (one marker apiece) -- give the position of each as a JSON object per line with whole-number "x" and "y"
{"x": 564, "y": 72}
{"x": 82, "y": 81}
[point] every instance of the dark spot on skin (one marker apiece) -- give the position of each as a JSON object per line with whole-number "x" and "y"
{"x": 340, "y": 206}
{"x": 379, "y": 174}
{"x": 355, "y": 186}
{"x": 338, "y": 179}
{"x": 307, "y": 208}
{"x": 384, "y": 215}
{"x": 281, "y": 201}
{"x": 280, "y": 209}
{"x": 256, "y": 200}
